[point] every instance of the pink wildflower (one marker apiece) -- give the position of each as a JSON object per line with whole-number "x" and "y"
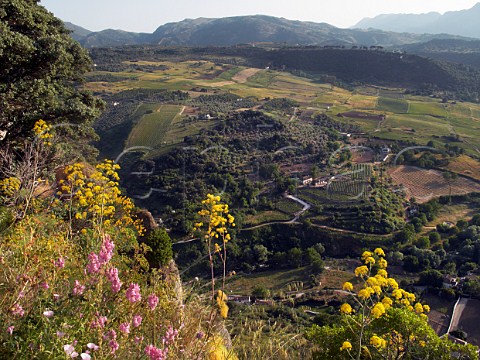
{"x": 112, "y": 276}
{"x": 17, "y": 310}
{"x": 170, "y": 335}
{"x": 48, "y": 313}
{"x": 94, "y": 264}
{"x": 152, "y": 301}
{"x": 137, "y": 320}
{"x": 125, "y": 328}
{"x": 44, "y": 285}
{"x": 60, "y": 334}
{"x": 113, "y": 345}
{"x": 60, "y": 263}
{"x": 93, "y": 346}
{"x": 85, "y": 356}
{"x": 10, "y": 329}
{"x": 99, "y": 322}
{"x": 138, "y": 339}
{"x": 155, "y": 353}
{"x": 78, "y": 288}
{"x": 133, "y": 293}
{"x": 106, "y": 252}
{"x": 70, "y": 350}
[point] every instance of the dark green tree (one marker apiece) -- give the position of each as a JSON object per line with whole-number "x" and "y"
{"x": 161, "y": 245}
{"x": 40, "y": 70}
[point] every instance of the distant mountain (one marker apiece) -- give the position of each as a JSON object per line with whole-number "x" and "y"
{"x": 462, "y": 23}
{"x": 250, "y": 29}
{"x": 78, "y": 32}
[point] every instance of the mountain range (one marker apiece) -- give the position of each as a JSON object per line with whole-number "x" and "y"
{"x": 462, "y": 23}
{"x": 248, "y": 29}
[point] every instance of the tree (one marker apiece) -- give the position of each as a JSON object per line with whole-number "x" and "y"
{"x": 294, "y": 257}
{"x": 261, "y": 292}
{"x": 261, "y": 253}
{"x": 161, "y": 245}
{"x": 40, "y": 68}
{"x": 431, "y": 277}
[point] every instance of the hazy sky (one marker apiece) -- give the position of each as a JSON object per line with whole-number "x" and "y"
{"x": 147, "y": 15}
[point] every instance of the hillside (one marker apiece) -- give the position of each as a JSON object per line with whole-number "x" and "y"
{"x": 463, "y": 22}
{"x": 342, "y": 65}
{"x": 454, "y": 50}
{"x": 249, "y": 29}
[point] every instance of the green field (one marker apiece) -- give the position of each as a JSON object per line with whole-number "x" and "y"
{"x": 397, "y": 106}
{"x": 288, "y": 206}
{"x": 228, "y": 74}
{"x": 409, "y": 118}
{"x": 263, "y": 217}
{"x": 151, "y": 129}
{"x": 427, "y": 108}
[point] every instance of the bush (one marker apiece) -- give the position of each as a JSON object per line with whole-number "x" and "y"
{"x": 161, "y": 248}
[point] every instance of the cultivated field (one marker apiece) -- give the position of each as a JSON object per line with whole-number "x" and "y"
{"x": 408, "y": 117}
{"x": 465, "y": 165}
{"x": 426, "y": 184}
{"x": 468, "y": 321}
{"x": 151, "y": 129}
{"x": 398, "y": 106}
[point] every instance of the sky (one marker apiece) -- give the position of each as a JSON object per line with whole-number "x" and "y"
{"x": 148, "y": 15}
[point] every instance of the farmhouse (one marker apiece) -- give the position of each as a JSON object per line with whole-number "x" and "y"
{"x": 307, "y": 180}
{"x": 449, "y": 281}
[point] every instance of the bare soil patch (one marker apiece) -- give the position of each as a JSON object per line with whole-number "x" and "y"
{"x": 426, "y": 184}
{"x": 242, "y": 76}
{"x": 468, "y": 322}
{"x": 362, "y": 156}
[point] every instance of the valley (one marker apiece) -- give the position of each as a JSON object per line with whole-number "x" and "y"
{"x": 368, "y": 164}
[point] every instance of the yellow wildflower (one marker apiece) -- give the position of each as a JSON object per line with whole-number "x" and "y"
{"x": 347, "y": 286}
{"x": 346, "y": 309}
{"x": 361, "y": 271}
{"x": 378, "y": 310}
{"x": 365, "y": 293}
{"x": 379, "y": 252}
{"x": 366, "y": 254}
{"x": 378, "y": 342}
{"x": 346, "y": 346}
{"x": 418, "y": 308}
{"x": 382, "y": 263}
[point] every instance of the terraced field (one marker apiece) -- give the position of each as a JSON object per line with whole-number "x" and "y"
{"x": 151, "y": 129}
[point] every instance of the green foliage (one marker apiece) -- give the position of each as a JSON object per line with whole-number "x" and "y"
{"x": 161, "y": 248}
{"x": 261, "y": 292}
{"x": 40, "y": 66}
{"x": 383, "y": 322}
{"x": 431, "y": 277}
{"x": 6, "y": 218}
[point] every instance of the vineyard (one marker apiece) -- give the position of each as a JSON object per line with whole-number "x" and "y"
{"x": 354, "y": 189}
{"x": 152, "y": 127}
{"x": 426, "y": 184}
{"x": 362, "y": 172}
